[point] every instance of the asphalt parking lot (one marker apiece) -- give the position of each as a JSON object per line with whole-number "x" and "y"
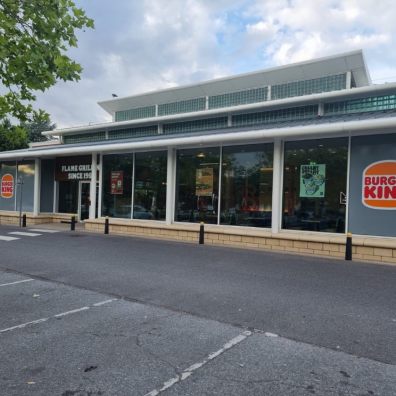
{"x": 60, "y": 338}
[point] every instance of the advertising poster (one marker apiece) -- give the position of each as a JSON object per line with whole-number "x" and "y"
{"x": 204, "y": 182}
{"x": 7, "y": 186}
{"x": 117, "y": 182}
{"x": 312, "y": 180}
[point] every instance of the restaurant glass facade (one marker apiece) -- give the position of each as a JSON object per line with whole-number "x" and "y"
{"x": 197, "y": 185}
{"x": 150, "y": 186}
{"x": 245, "y": 197}
{"x": 315, "y": 185}
{"x": 246, "y": 185}
{"x": 117, "y": 185}
{"x": 20, "y": 175}
{"x": 68, "y": 196}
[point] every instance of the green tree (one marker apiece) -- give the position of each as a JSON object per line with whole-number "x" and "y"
{"x": 36, "y": 126}
{"x": 12, "y": 137}
{"x": 34, "y": 38}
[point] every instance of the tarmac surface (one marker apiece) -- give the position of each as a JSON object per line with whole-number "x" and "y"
{"x": 86, "y": 314}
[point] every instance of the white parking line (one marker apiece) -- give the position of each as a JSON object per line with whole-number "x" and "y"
{"x": 43, "y": 230}
{"x": 189, "y": 371}
{"x": 8, "y": 238}
{"x": 29, "y": 234}
{"x": 16, "y": 282}
{"x": 98, "y": 304}
{"x": 21, "y": 326}
{"x": 71, "y": 312}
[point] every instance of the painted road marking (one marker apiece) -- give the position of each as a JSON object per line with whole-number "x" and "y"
{"x": 98, "y": 304}
{"x": 29, "y": 234}
{"x": 15, "y": 283}
{"x": 71, "y": 312}
{"x": 8, "y": 238}
{"x": 43, "y": 230}
{"x": 21, "y": 326}
{"x": 190, "y": 370}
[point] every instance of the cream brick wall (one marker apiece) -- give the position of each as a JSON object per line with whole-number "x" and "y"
{"x": 372, "y": 249}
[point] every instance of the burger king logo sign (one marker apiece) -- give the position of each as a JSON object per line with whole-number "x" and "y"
{"x": 7, "y": 186}
{"x": 379, "y": 185}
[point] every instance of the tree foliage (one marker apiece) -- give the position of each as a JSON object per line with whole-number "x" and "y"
{"x": 34, "y": 38}
{"x": 12, "y": 137}
{"x": 34, "y": 128}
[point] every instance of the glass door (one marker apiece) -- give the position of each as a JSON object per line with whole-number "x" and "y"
{"x": 84, "y": 200}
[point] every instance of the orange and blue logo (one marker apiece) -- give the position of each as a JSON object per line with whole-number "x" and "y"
{"x": 379, "y": 185}
{"x": 7, "y": 186}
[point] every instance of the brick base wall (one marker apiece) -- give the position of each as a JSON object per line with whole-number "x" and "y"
{"x": 372, "y": 249}
{"x": 12, "y": 218}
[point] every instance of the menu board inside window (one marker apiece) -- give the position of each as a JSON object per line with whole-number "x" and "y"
{"x": 204, "y": 182}
{"x": 117, "y": 182}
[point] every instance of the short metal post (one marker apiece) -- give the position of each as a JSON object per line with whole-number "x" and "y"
{"x": 20, "y": 186}
{"x": 73, "y": 223}
{"x": 106, "y": 228}
{"x": 201, "y": 233}
{"x": 348, "y": 247}
{"x": 24, "y": 220}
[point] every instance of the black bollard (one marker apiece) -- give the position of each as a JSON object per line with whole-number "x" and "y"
{"x": 24, "y": 220}
{"x": 73, "y": 223}
{"x": 201, "y": 233}
{"x": 348, "y": 247}
{"x": 106, "y": 228}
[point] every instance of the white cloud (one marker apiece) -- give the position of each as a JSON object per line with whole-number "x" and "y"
{"x": 139, "y": 46}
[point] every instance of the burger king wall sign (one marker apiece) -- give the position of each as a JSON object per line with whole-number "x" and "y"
{"x": 379, "y": 185}
{"x": 7, "y": 186}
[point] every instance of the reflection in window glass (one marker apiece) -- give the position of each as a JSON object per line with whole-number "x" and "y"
{"x": 314, "y": 184}
{"x": 68, "y": 197}
{"x": 117, "y": 185}
{"x": 246, "y": 185}
{"x": 150, "y": 186}
{"x": 197, "y": 185}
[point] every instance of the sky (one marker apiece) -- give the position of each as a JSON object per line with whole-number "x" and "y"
{"x": 144, "y": 45}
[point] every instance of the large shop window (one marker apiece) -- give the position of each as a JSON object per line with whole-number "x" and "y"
{"x": 150, "y": 186}
{"x": 314, "y": 185}
{"x": 246, "y": 185}
{"x": 117, "y": 185}
{"x": 197, "y": 185}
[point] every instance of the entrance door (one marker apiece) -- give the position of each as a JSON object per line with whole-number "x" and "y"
{"x": 84, "y": 200}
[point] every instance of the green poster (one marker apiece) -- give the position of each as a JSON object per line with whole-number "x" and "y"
{"x": 312, "y": 180}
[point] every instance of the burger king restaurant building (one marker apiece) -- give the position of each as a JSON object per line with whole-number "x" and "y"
{"x": 290, "y": 158}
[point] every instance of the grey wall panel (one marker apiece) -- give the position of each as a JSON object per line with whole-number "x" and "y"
{"x": 26, "y": 172}
{"x": 47, "y": 186}
{"x": 364, "y": 151}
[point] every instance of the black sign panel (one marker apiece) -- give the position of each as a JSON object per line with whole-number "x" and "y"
{"x": 73, "y": 168}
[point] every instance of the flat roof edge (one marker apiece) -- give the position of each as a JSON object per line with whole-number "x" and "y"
{"x": 292, "y": 101}
{"x": 240, "y": 136}
{"x": 107, "y": 103}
